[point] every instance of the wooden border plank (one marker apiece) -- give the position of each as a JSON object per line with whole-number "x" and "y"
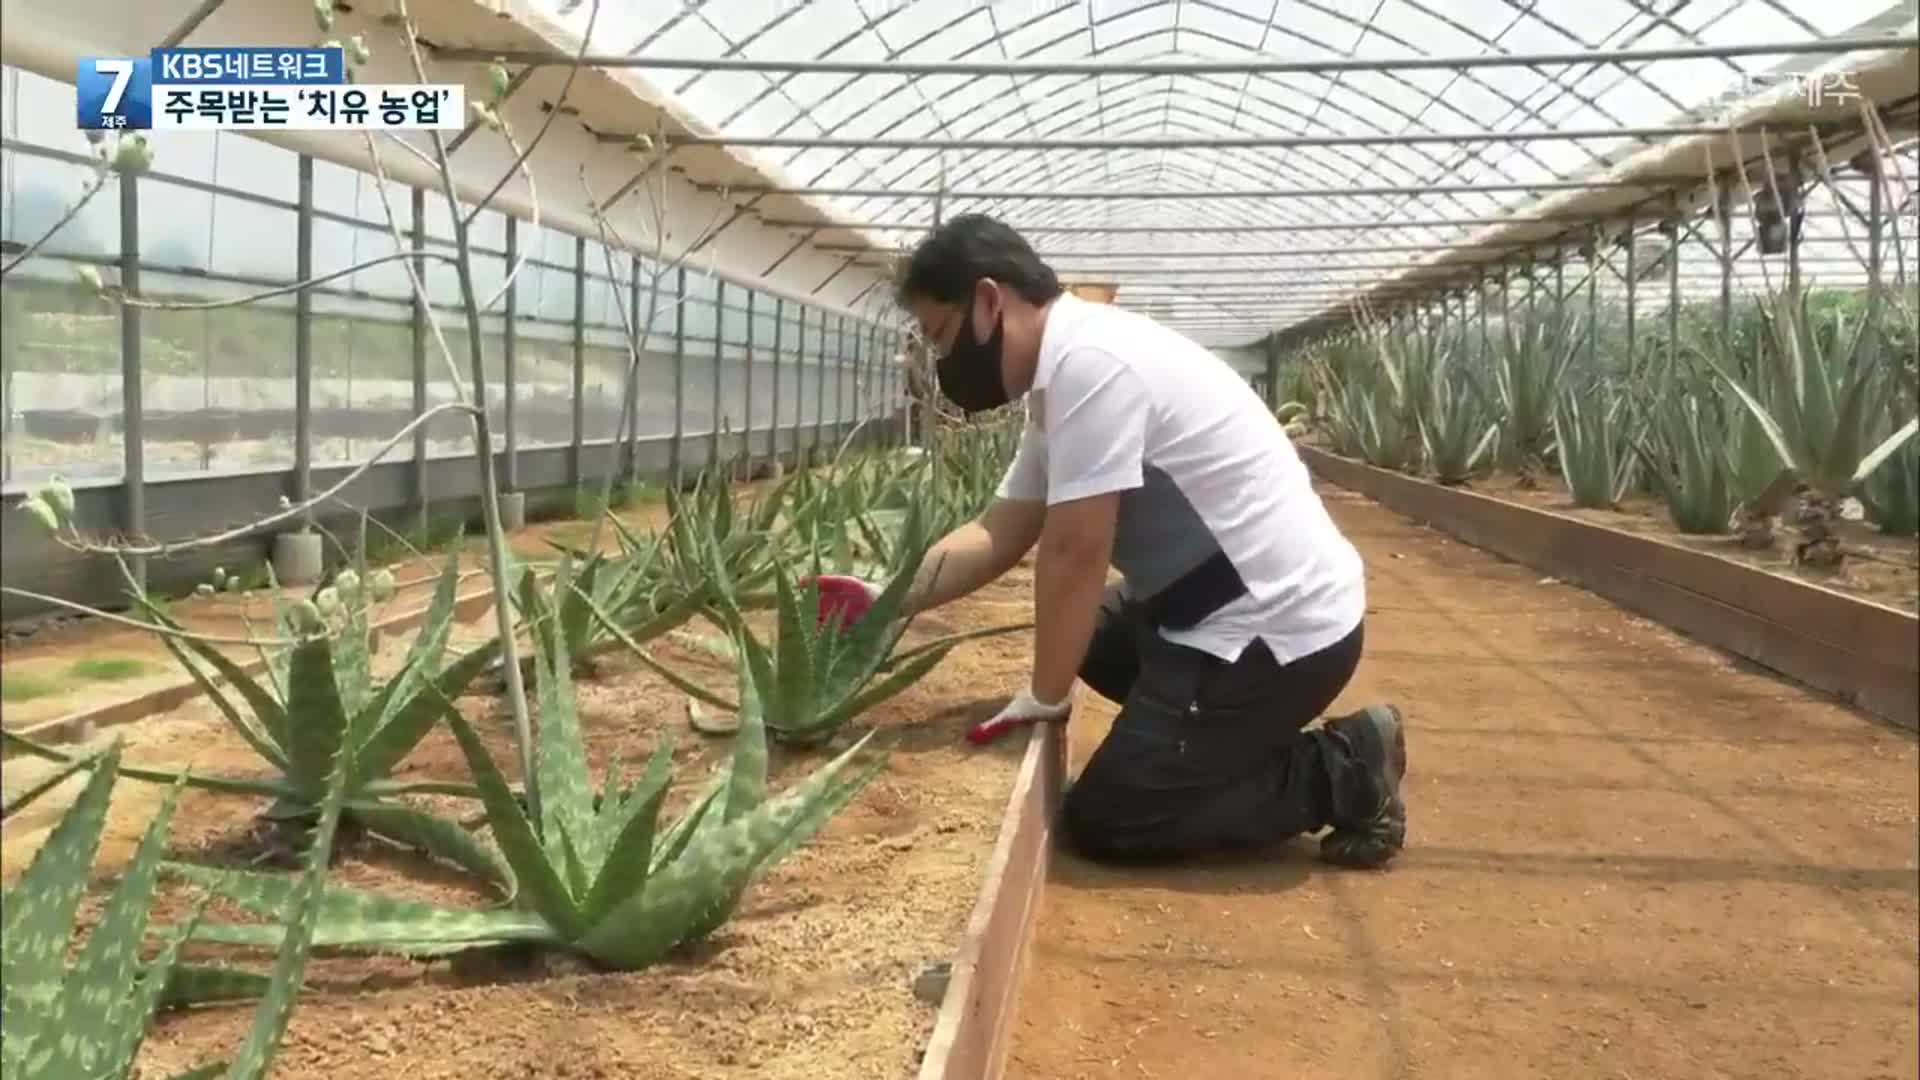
{"x": 1864, "y": 653}
{"x": 972, "y": 1033}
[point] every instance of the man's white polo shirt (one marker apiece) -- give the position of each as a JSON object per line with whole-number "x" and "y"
{"x": 1121, "y": 403}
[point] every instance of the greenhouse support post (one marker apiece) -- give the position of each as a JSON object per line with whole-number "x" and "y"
{"x": 820, "y": 391}
{"x": 133, "y": 443}
{"x": 779, "y": 331}
{"x": 303, "y": 342}
{"x": 719, "y": 361}
{"x": 629, "y": 439}
{"x": 746, "y": 429}
{"x": 799, "y": 376}
{"x": 418, "y": 344}
{"x": 1592, "y": 253}
{"x": 509, "y": 355}
{"x": 1793, "y": 230}
{"x": 679, "y": 374}
{"x": 1672, "y": 230}
{"x": 1633, "y": 282}
{"x": 1874, "y": 226}
{"x": 576, "y": 467}
{"x": 1723, "y": 223}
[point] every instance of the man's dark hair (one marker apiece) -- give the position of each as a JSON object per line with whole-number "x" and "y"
{"x": 947, "y": 264}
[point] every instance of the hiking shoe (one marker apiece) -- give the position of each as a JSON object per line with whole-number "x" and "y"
{"x": 1377, "y": 736}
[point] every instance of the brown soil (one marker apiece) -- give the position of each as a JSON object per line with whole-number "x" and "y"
{"x": 1629, "y": 857}
{"x": 811, "y": 978}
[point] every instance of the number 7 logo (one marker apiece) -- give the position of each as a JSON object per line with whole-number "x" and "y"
{"x": 115, "y": 92}
{"x": 122, "y": 72}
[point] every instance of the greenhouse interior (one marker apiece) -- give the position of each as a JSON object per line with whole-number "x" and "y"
{"x": 424, "y": 549}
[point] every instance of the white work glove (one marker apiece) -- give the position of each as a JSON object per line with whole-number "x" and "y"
{"x": 1024, "y": 709}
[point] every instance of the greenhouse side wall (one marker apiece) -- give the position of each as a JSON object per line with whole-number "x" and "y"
{"x": 208, "y": 437}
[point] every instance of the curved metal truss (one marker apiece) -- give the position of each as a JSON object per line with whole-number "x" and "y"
{"x": 1177, "y": 147}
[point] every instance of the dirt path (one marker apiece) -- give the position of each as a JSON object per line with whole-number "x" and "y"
{"x": 1629, "y": 858}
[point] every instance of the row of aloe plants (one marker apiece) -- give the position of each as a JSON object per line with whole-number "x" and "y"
{"x": 1804, "y": 401}
{"x": 584, "y": 864}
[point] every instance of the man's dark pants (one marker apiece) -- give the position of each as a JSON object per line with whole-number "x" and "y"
{"x": 1208, "y": 755}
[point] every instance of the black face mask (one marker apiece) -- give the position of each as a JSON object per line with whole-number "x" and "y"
{"x": 969, "y": 373}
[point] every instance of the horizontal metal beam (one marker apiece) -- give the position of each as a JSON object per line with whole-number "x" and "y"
{"x": 1258, "y": 65}
{"x": 1206, "y": 228}
{"x": 1651, "y": 183}
{"x": 1175, "y": 142}
{"x": 1052, "y": 254}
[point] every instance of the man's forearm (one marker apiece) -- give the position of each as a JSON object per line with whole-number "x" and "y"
{"x": 962, "y": 561}
{"x": 1067, "y": 588}
{"x": 974, "y": 554}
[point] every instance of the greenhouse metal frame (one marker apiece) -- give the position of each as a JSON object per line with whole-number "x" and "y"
{"x": 1523, "y": 156}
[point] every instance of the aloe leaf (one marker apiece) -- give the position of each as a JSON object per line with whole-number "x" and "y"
{"x": 899, "y": 679}
{"x": 317, "y": 719}
{"x": 1888, "y": 447}
{"x": 804, "y": 826}
{"x": 380, "y": 753}
{"x": 352, "y": 918}
{"x": 262, "y": 744}
{"x": 45, "y": 784}
{"x": 514, "y": 834}
{"x": 39, "y": 918}
{"x": 630, "y": 855}
{"x": 747, "y": 776}
{"x": 276, "y": 1007}
{"x": 436, "y": 836}
{"x": 231, "y": 785}
{"x": 266, "y": 708}
{"x": 91, "y": 997}
{"x": 205, "y": 984}
{"x": 670, "y": 845}
{"x": 423, "y": 656}
{"x": 692, "y": 894}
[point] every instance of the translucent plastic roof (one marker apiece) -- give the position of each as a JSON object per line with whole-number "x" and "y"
{"x": 1302, "y": 239}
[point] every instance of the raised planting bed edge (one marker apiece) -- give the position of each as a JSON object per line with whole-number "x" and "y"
{"x": 972, "y": 1033}
{"x": 1864, "y": 653}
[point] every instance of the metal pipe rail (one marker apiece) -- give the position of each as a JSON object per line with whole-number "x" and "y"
{"x": 1331, "y": 65}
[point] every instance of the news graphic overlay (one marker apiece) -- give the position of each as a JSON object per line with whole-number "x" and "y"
{"x": 254, "y": 89}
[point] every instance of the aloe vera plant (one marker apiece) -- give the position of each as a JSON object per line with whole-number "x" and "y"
{"x": 329, "y": 665}
{"x": 603, "y": 881}
{"x": 1456, "y": 426}
{"x": 1811, "y": 399}
{"x": 817, "y": 675}
{"x": 1891, "y": 494}
{"x": 89, "y": 1018}
{"x": 1533, "y": 358}
{"x": 1593, "y": 448}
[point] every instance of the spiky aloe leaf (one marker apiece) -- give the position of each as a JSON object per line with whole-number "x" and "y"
{"x": 560, "y": 756}
{"x": 632, "y": 826}
{"x": 396, "y": 736}
{"x": 266, "y": 708}
{"x": 271, "y": 789}
{"x": 202, "y": 984}
{"x": 696, "y": 891}
{"x": 39, "y": 919}
{"x": 1891, "y": 493}
{"x": 93, "y": 996}
{"x": 436, "y": 836}
{"x": 43, "y": 785}
{"x": 41, "y": 996}
{"x": 317, "y": 719}
{"x": 353, "y": 918}
{"x": 519, "y": 845}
